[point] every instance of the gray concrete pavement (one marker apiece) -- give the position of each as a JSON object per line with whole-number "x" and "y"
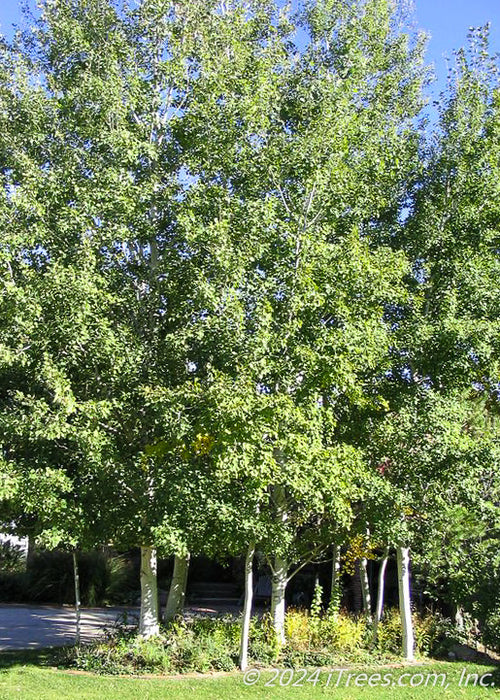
{"x": 38, "y": 626}
{"x": 32, "y": 627}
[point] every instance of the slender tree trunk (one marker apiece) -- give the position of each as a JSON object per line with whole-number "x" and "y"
{"x": 459, "y": 617}
{"x": 357, "y": 593}
{"x": 380, "y": 593}
{"x": 177, "y": 592}
{"x": 280, "y": 581}
{"x": 30, "y": 551}
{"x": 148, "y": 622}
{"x": 335, "y": 591}
{"x": 280, "y": 573}
{"x": 247, "y": 606}
{"x": 365, "y": 589}
{"x": 76, "y": 577}
{"x": 403, "y": 561}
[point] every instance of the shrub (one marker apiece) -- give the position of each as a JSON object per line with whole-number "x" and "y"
{"x": 122, "y": 581}
{"x": 12, "y": 558}
{"x": 434, "y": 634}
{"x": 389, "y": 638}
{"x": 201, "y": 645}
{"x": 491, "y": 630}
{"x": 204, "y": 644}
{"x": 13, "y": 587}
{"x": 212, "y": 644}
{"x": 49, "y": 578}
{"x": 263, "y": 646}
{"x": 343, "y": 632}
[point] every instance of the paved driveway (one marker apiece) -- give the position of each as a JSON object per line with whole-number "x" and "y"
{"x": 31, "y": 627}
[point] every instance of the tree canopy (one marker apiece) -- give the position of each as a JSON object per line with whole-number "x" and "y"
{"x": 247, "y": 299}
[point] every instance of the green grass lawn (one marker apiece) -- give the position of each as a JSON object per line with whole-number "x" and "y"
{"x": 30, "y": 675}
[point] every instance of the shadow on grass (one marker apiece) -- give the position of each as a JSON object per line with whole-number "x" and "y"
{"x": 42, "y": 658}
{"x": 480, "y": 674}
{"x": 493, "y": 682}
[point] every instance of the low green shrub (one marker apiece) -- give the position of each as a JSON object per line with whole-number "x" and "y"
{"x": 434, "y": 634}
{"x": 212, "y": 644}
{"x": 491, "y": 630}
{"x": 347, "y": 633}
{"x": 389, "y": 638}
{"x": 201, "y": 645}
{"x": 342, "y": 632}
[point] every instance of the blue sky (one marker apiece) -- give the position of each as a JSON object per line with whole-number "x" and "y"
{"x": 447, "y": 21}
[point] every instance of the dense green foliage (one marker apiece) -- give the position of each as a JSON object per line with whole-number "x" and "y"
{"x": 246, "y": 297}
{"x": 205, "y": 645}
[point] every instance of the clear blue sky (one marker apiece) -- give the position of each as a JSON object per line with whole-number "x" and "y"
{"x": 447, "y": 21}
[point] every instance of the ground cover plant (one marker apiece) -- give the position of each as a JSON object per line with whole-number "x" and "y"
{"x": 212, "y": 644}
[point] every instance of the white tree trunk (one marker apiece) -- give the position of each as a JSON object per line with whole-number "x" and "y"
{"x": 280, "y": 572}
{"x": 76, "y": 576}
{"x": 280, "y": 580}
{"x": 365, "y": 589}
{"x": 459, "y": 618}
{"x": 381, "y": 585}
{"x": 380, "y": 593}
{"x": 177, "y": 592}
{"x": 148, "y": 621}
{"x": 335, "y": 592}
{"x": 403, "y": 560}
{"x": 247, "y": 606}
